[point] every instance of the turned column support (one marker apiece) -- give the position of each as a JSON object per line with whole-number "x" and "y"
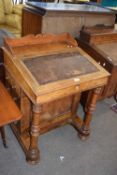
{"x": 74, "y": 108}
{"x": 84, "y": 131}
{"x": 75, "y": 103}
{"x": 33, "y": 154}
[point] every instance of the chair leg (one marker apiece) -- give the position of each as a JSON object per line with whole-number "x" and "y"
{"x": 3, "y": 136}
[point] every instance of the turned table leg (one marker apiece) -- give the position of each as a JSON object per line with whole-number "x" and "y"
{"x": 84, "y": 131}
{"x": 75, "y": 103}
{"x": 33, "y": 154}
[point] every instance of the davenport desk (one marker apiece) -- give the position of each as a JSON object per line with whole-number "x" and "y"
{"x": 46, "y": 75}
{"x": 57, "y": 18}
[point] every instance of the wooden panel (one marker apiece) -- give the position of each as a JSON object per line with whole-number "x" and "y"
{"x": 62, "y": 22}
{"x": 98, "y": 34}
{"x": 98, "y": 19}
{"x": 31, "y": 23}
{"x": 21, "y": 100}
{"x": 56, "y": 108}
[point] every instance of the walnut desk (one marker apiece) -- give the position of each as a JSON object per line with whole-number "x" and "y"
{"x": 46, "y": 75}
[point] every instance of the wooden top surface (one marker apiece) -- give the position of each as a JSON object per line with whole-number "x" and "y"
{"x": 55, "y": 67}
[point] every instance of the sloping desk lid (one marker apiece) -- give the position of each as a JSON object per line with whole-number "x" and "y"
{"x": 50, "y": 63}
{"x": 60, "y": 66}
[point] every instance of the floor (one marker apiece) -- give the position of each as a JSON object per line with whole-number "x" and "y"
{"x": 63, "y": 153}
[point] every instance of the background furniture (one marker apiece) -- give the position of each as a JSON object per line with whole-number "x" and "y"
{"x": 47, "y": 79}
{"x": 9, "y": 112}
{"x": 11, "y": 17}
{"x": 59, "y": 17}
{"x": 101, "y": 44}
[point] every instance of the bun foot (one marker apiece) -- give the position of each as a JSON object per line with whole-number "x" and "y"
{"x": 33, "y": 156}
{"x": 83, "y": 133}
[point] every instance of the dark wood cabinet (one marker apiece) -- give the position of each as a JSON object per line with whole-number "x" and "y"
{"x": 101, "y": 44}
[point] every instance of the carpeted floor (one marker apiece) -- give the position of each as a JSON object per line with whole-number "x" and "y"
{"x": 63, "y": 153}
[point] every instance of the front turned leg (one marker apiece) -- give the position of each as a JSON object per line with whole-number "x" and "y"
{"x": 84, "y": 131}
{"x": 33, "y": 154}
{"x": 76, "y": 121}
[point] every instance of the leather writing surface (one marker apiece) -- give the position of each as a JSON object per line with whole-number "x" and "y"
{"x": 47, "y": 69}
